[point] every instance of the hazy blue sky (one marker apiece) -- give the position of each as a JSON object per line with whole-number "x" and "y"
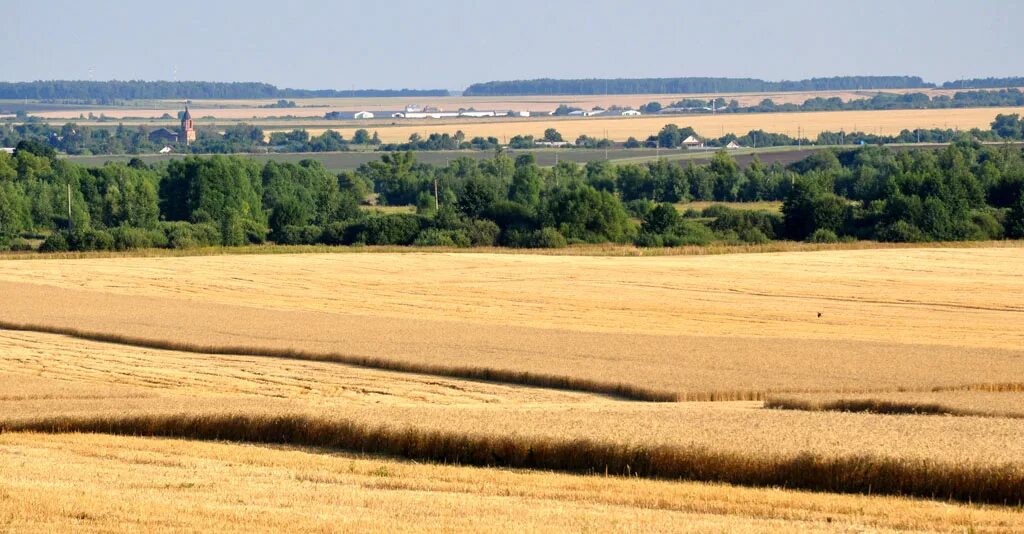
{"x": 449, "y": 44}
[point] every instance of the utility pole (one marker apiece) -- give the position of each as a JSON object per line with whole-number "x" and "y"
{"x": 437, "y": 204}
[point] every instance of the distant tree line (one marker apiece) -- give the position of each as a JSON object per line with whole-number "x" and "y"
{"x": 621, "y": 86}
{"x": 980, "y": 83}
{"x": 109, "y": 91}
{"x": 965, "y": 191}
{"x": 78, "y": 139}
{"x": 882, "y": 101}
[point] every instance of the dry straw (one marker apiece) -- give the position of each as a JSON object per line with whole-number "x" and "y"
{"x": 1002, "y": 484}
{"x": 620, "y": 390}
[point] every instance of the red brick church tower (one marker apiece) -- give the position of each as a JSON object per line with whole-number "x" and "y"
{"x": 187, "y": 133}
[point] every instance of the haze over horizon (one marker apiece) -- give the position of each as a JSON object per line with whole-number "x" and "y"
{"x": 323, "y": 45}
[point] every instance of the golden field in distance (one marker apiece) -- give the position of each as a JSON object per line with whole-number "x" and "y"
{"x": 808, "y": 124}
{"x": 246, "y": 109}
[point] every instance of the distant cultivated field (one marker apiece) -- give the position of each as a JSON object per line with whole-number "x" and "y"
{"x": 228, "y": 109}
{"x": 515, "y": 361}
{"x": 808, "y": 124}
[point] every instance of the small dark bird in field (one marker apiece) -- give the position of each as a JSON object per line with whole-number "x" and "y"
{"x": 819, "y": 315}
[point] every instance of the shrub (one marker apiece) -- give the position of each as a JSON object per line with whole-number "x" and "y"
{"x": 255, "y": 233}
{"x": 482, "y": 233}
{"x": 336, "y": 233}
{"x": 182, "y": 235}
{"x": 89, "y": 240}
{"x": 753, "y": 236}
{"x": 987, "y": 224}
{"x": 393, "y": 229}
{"x": 823, "y": 235}
{"x": 15, "y": 244}
{"x": 901, "y": 232}
{"x": 549, "y": 238}
{"x": 693, "y": 233}
{"x": 298, "y": 235}
{"x": 128, "y": 238}
{"x": 434, "y": 237}
{"x": 639, "y": 208}
{"x": 647, "y": 239}
{"x": 18, "y": 244}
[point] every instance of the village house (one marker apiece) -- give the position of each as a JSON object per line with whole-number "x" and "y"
{"x": 693, "y": 142}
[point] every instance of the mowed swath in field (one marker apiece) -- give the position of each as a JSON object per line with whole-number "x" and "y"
{"x": 917, "y": 318}
{"x": 46, "y": 375}
{"x": 89, "y": 482}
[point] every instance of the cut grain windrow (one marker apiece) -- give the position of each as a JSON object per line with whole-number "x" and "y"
{"x": 994, "y": 484}
{"x": 619, "y": 390}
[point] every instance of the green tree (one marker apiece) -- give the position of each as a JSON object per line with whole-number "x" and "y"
{"x": 664, "y": 218}
{"x": 1015, "y": 220}
{"x": 552, "y": 135}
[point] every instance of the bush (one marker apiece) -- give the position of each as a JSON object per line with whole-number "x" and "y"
{"x": 182, "y": 235}
{"x": 18, "y": 244}
{"x": 823, "y": 235}
{"x": 393, "y": 229}
{"x": 692, "y": 233}
{"x": 549, "y": 238}
{"x": 647, "y": 239}
{"x": 336, "y": 233}
{"x": 434, "y": 237}
{"x": 640, "y": 207}
{"x": 57, "y": 242}
{"x": 901, "y": 232}
{"x": 298, "y": 235}
{"x": 89, "y": 240}
{"x": 987, "y": 224}
{"x": 754, "y": 236}
{"x": 482, "y": 233}
{"x": 14, "y": 244}
{"x": 255, "y": 233}
{"x": 128, "y": 238}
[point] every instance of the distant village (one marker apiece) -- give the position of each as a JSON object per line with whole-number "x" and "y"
{"x": 413, "y": 111}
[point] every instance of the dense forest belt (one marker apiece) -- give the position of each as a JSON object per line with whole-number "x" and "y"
{"x": 548, "y": 86}
{"x": 994, "y": 484}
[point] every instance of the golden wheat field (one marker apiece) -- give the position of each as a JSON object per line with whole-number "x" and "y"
{"x": 806, "y": 125}
{"x": 93, "y": 482}
{"x": 248, "y": 389}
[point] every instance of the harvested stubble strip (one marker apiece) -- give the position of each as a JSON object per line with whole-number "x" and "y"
{"x": 525, "y": 378}
{"x": 993, "y": 484}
